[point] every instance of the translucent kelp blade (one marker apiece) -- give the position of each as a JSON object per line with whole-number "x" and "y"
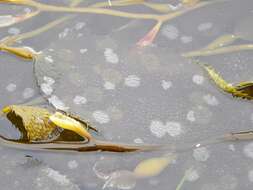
{"x": 244, "y": 28}
{"x": 222, "y": 50}
{"x": 221, "y": 41}
{"x": 183, "y": 179}
{"x": 32, "y": 122}
{"x": 152, "y": 166}
{"x": 242, "y": 90}
{"x": 23, "y": 52}
{"x": 69, "y": 123}
{"x": 216, "y": 78}
{"x": 82, "y": 121}
{"x": 190, "y": 2}
{"x": 35, "y": 124}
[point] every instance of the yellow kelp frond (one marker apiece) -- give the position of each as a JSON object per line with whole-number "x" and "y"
{"x": 23, "y": 52}
{"x": 216, "y": 78}
{"x": 14, "y": 1}
{"x": 242, "y": 90}
{"x": 86, "y": 124}
{"x": 221, "y": 41}
{"x": 153, "y": 166}
{"x": 66, "y": 122}
{"x": 190, "y": 2}
{"x": 217, "y": 51}
{"x": 32, "y": 122}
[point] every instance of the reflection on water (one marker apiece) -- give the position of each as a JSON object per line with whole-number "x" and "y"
{"x": 133, "y": 78}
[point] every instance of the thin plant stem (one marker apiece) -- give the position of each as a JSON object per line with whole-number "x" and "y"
{"x": 35, "y": 32}
{"x": 103, "y": 11}
{"x": 223, "y": 50}
{"x": 181, "y": 183}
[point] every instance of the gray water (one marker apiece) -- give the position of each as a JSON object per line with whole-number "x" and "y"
{"x": 149, "y": 96}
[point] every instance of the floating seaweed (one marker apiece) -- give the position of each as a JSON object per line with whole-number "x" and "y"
{"x": 57, "y": 130}
{"x": 242, "y": 90}
{"x": 44, "y": 129}
{"x": 100, "y": 8}
{"x": 222, "y": 44}
{"x": 48, "y": 130}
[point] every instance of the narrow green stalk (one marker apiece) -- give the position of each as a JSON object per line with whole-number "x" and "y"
{"x": 181, "y": 183}
{"x": 223, "y": 50}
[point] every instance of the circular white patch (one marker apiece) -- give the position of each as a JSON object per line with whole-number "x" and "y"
{"x": 28, "y": 93}
{"x": 72, "y": 164}
{"x": 138, "y": 140}
{"x": 57, "y": 103}
{"x": 166, "y": 84}
{"x": 109, "y": 86}
{"x": 248, "y": 150}
{"x": 111, "y": 56}
{"x": 49, "y": 80}
{"x": 170, "y": 32}
{"x": 11, "y": 87}
{"x": 78, "y": 100}
{"x": 201, "y": 154}
{"x": 205, "y": 26}
{"x": 64, "y": 33}
{"x": 231, "y": 147}
{"x": 173, "y": 128}
{"x": 49, "y": 59}
{"x": 120, "y": 179}
{"x": 101, "y": 117}
{"x": 79, "y": 25}
{"x": 56, "y": 176}
{"x": 14, "y": 31}
{"x": 159, "y": 129}
{"x": 186, "y": 39}
{"x": 191, "y": 116}
{"x": 46, "y": 88}
{"x": 198, "y": 79}
{"x": 210, "y": 100}
{"x": 192, "y": 175}
{"x": 250, "y": 175}
{"x": 132, "y": 81}
{"x": 82, "y": 51}
{"x": 27, "y": 10}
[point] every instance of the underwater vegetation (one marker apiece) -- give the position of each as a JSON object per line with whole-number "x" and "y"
{"x": 50, "y": 128}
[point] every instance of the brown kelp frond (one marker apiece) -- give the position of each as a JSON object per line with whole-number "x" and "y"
{"x": 69, "y": 123}
{"x": 245, "y": 88}
{"x": 31, "y": 121}
{"x": 40, "y": 124}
